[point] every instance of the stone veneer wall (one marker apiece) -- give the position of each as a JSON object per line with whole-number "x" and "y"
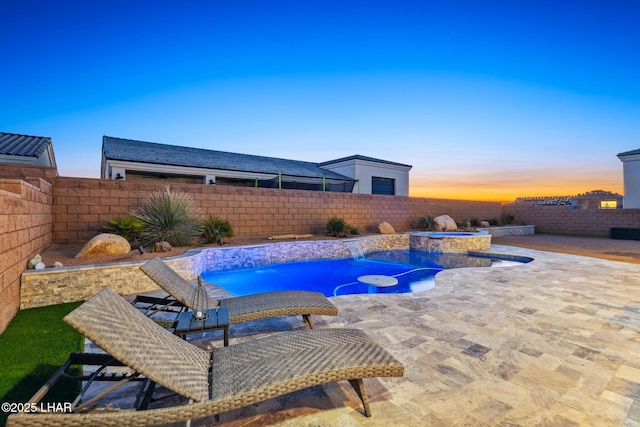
{"x": 573, "y": 222}
{"x": 480, "y": 241}
{"x": 26, "y": 222}
{"x": 82, "y": 206}
{"x": 512, "y": 230}
{"x": 277, "y": 253}
{"x": 56, "y": 286}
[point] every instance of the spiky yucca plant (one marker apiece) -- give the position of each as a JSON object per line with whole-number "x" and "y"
{"x": 168, "y": 217}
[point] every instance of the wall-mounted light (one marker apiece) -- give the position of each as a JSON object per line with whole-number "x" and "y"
{"x": 211, "y": 182}
{"x": 118, "y": 176}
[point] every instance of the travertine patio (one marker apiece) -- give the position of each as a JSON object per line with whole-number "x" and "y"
{"x": 555, "y": 342}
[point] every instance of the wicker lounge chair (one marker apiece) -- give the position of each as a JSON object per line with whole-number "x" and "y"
{"x": 218, "y": 380}
{"x": 241, "y": 308}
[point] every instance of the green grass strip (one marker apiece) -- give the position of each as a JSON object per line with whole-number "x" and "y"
{"x": 32, "y": 348}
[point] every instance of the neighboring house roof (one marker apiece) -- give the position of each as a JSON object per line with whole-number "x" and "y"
{"x": 13, "y": 144}
{"x": 598, "y": 194}
{"x": 360, "y": 157}
{"x": 630, "y": 153}
{"x": 151, "y": 152}
{"x": 567, "y": 200}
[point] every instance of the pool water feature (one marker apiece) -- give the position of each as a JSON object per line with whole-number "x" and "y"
{"x": 414, "y": 270}
{"x": 450, "y": 241}
{"x": 355, "y": 249}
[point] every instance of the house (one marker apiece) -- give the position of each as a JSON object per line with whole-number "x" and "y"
{"x": 595, "y": 199}
{"x": 631, "y": 175}
{"x": 26, "y": 150}
{"x": 373, "y": 176}
{"x": 134, "y": 160}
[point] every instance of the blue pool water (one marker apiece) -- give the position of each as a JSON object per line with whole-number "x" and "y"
{"x": 415, "y": 271}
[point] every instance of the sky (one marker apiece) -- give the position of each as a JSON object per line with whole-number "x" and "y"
{"x": 487, "y": 100}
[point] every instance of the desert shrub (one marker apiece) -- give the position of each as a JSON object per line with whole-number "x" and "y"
{"x": 353, "y": 230}
{"x": 507, "y": 219}
{"x": 493, "y": 221}
{"x": 338, "y": 227}
{"x": 128, "y": 227}
{"x": 168, "y": 217}
{"x": 472, "y": 222}
{"x": 427, "y": 223}
{"x": 216, "y": 229}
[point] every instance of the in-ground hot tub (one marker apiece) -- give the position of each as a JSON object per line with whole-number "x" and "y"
{"x": 450, "y": 241}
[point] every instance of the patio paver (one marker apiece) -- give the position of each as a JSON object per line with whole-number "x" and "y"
{"x": 554, "y": 342}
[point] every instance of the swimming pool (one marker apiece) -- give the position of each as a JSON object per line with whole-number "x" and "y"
{"x": 414, "y": 270}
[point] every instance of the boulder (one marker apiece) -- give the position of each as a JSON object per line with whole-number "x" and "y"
{"x": 445, "y": 223}
{"x": 485, "y": 224}
{"x": 162, "y": 247}
{"x": 34, "y": 261}
{"x": 105, "y": 244}
{"x": 385, "y": 228}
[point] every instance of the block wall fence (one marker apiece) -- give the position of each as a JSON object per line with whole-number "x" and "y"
{"x": 38, "y": 208}
{"x": 574, "y": 222}
{"x": 81, "y": 207}
{"x": 26, "y": 225}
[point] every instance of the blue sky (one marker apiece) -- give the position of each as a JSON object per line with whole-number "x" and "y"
{"x": 487, "y": 100}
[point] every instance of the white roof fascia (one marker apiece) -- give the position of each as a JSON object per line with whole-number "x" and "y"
{"x": 51, "y": 155}
{"x": 362, "y": 162}
{"x": 629, "y": 157}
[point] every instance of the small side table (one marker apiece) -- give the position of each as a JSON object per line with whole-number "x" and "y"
{"x": 378, "y": 280}
{"x": 218, "y": 319}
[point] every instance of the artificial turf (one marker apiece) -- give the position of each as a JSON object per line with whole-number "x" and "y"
{"x": 34, "y": 345}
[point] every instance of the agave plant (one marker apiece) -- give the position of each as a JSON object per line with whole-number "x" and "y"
{"x": 168, "y": 217}
{"x": 216, "y": 229}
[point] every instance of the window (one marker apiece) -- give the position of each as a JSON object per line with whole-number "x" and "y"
{"x": 383, "y": 186}
{"x": 608, "y": 204}
{"x": 133, "y": 175}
